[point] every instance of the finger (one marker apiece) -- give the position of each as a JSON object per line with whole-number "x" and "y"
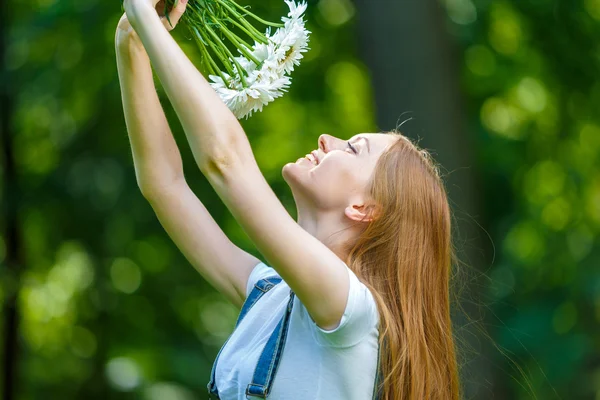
{"x": 175, "y": 14}
{"x": 178, "y": 10}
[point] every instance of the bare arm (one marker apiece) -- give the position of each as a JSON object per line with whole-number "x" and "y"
{"x": 159, "y": 173}
{"x": 155, "y": 154}
{"x": 208, "y": 124}
{"x": 222, "y": 151}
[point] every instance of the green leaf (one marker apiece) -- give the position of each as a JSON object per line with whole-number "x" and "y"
{"x": 167, "y": 12}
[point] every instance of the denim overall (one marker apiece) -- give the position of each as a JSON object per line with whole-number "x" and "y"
{"x": 268, "y": 361}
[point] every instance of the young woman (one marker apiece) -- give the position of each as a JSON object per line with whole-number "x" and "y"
{"x": 360, "y": 281}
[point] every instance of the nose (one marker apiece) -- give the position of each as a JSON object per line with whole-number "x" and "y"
{"x": 323, "y": 143}
{"x": 328, "y": 143}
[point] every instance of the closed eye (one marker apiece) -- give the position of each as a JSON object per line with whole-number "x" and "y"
{"x": 352, "y": 148}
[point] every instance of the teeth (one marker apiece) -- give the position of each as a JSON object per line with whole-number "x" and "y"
{"x": 311, "y": 158}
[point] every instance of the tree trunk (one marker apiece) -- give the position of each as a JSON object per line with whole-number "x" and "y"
{"x": 415, "y": 74}
{"x": 11, "y": 266}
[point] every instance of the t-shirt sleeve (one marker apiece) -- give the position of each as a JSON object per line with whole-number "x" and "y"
{"x": 359, "y": 319}
{"x": 260, "y": 271}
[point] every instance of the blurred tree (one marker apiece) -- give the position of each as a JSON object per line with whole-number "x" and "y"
{"x": 414, "y": 69}
{"x": 108, "y": 308}
{"x": 12, "y": 261}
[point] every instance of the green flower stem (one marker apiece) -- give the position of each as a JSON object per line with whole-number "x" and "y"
{"x": 217, "y": 49}
{"x": 197, "y": 13}
{"x": 229, "y": 35}
{"x": 239, "y": 39}
{"x": 249, "y": 13}
{"x": 218, "y": 52}
{"x": 211, "y": 65}
{"x": 237, "y": 65}
{"x": 245, "y": 26}
{"x": 223, "y": 28}
{"x": 208, "y": 62}
{"x": 256, "y": 34}
{"x": 258, "y": 37}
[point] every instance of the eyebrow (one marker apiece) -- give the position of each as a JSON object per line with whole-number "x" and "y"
{"x": 366, "y": 140}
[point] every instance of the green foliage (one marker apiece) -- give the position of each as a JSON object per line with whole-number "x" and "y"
{"x": 109, "y": 308}
{"x": 531, "y": 77}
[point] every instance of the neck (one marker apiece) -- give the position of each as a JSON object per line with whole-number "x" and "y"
{"x": 329, "y": 227}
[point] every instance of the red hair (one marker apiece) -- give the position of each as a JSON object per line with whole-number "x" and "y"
{"x": 404, "y": 256}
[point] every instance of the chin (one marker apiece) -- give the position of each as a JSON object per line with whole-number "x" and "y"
{"x": 291, "y": 173}
{"x": 296, "y": 175}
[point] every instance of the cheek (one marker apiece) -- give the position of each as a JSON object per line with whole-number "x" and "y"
{"x": 337, "y": 172}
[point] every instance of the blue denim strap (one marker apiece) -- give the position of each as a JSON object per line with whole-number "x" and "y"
{"x": 377, "y": 393}
{"x": 268, "y": 361}
{"x": 260, "y": 288}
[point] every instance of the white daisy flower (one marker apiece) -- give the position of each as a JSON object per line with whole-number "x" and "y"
{"x": 292, "y": 39}
{"x": 263, "y": 86}
{"x": 296, "y": 10}
{"x": 265, "y": 66}
{"x": 292, "y": 42}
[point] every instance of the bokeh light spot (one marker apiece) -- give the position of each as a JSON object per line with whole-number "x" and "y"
{"x": 593, "y": 8}
{"x": 462, "y": 12}
{"x": 580, "y": 241}
{"x": 336, "y": 12}
{"x": 525, "y": 242}
{"x": 502, "y": 118}
{"x": 543, "y": 181}
{"x": 153, "y": 253}
{"x": 357, "y": 110}
{"x": 589, "y": 137}
{"x": 167, "y": 391}
{"x": 480, "y": 60}
{"x": 16, "y": 54}
{"x": 565, "y": 317}
{"x": 557, "y": 214}
{"x": 505, "y": 33}
{"x": 218, "y": 318}
{"x": 532, "y": 95}
{"x": 123, "y": 374}
{"x": 83, "y": 342}
{"x": 125, "y": 275}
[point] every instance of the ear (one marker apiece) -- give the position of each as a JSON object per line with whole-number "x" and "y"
{"x": 360, "y": 212}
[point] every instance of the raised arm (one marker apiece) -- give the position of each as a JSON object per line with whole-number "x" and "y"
{"x": 155, "y": 154}
{"x": 159, "y": 173}
{"x": 206, "y": 120}
{"x": 222, "y": 151}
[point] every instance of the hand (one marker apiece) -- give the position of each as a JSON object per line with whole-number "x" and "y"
{"x": 175, "y": 13}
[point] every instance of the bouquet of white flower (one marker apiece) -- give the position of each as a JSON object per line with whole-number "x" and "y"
{"x": 260, "y": 73}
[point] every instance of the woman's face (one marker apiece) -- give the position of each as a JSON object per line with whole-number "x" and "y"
{"x": 337, "y": 173}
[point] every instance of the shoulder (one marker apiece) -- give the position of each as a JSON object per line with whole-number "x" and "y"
{"x": 360, "y": 318}
{"x": 260, "y": 271}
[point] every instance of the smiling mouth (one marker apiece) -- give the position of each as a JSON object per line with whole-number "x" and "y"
{"x": 316, "y": 156}
{"x": 311, "y": 157}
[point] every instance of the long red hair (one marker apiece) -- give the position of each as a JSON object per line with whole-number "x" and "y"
{"x": 404, "y": 256}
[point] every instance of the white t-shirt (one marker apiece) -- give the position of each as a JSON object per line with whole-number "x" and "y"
{"x": 316, "y": 364}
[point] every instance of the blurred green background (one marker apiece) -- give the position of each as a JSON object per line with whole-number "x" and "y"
{"x": 97, "y": 301}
